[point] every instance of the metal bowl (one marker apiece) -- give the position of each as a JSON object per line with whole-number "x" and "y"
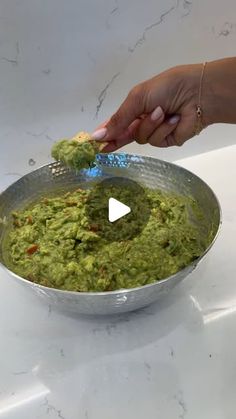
{"x": 154, "y": 173}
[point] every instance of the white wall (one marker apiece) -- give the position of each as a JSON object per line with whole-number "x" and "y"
{"x": 67, "y": 65}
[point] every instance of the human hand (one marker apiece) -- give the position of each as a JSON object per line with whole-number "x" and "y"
{"x": 160, "y": 111}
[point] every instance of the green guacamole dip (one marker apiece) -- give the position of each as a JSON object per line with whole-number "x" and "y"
{"x": 54, "y": 243}
{"x": 75, "y": 155}
{"x": 78, "y": 152}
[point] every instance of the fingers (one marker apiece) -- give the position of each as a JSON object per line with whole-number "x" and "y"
{"x": 181, "y": 132}
{"x": 148, "y": 125}
{"x": 148, "y": 129}
{"x": 152, "y": 129}
{"x": 160, "y": 135}
{"x": 99, "y": 134}
{"x": 185, "y": 129}
{"x": 164, "y": 130}
{"x": 125, "y": 138}
{"x": 114, "y": 145}
{"x": 174, "y": 91}
{"x": 169, "y": 141}
{"x": 140, "y": 130}
{"x": 173, "y": 131}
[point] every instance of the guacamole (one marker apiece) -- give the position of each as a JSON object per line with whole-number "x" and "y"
{"x": 77, "y": 153}
{"x": 56, "y": 243}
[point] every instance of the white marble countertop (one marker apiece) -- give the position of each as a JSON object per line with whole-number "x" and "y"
{"x": 174, "y": 359}
{"x": 66, "y": 66}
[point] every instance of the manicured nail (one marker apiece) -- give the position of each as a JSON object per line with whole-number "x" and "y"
{"x": 99, "y": 134}
{"x": 173, "y": 119}
{"x": 156, "y": 114}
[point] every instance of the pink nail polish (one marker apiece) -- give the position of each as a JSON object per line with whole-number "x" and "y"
{"x": 99, "y": 134}
{"x": 173, "y": 119}
{"x": 156, "y": 114}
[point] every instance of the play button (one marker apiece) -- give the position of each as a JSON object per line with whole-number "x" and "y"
{"x": 116, "y": 210}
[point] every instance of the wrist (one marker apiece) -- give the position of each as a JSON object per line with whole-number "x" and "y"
{"x": 218, "y": 99}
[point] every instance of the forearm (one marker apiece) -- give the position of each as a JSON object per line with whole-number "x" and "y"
{"x": 219, "y": 92}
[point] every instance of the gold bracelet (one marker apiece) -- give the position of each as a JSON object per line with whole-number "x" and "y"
{"x": 199, "y": 124}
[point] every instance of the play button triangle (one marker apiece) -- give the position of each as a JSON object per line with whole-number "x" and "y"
{"x": 117, "y": 209}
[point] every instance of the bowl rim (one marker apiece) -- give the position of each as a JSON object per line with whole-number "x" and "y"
{"x": 98, "y": 294}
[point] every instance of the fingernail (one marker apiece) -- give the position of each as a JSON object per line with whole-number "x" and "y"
{"x": 156, "y": 114}
{"x": 99, "y": 134}
{"x": 173, "y": 119}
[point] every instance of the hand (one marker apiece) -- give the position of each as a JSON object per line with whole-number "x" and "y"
{"x": 160, "y": 111}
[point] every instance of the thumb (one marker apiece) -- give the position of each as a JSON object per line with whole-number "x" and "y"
{"x": 132, "y": 107}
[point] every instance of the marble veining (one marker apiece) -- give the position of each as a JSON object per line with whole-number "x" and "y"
{"x": 182, "y": 405}
{"x": 47, "y": 71}
{"x": 148, "y": 369}
{"x": 172, "y": 353}
{"x": 31, "y": 162}
{"x": 227, "y": 29}
{"x": 142, "y": 38}
{"x": 49, "y": 310}
{"x": 187, "y": 6}
{"x": 48, "y": 137}
{"x": 13, "y": 61}
{"x": 224, "y": 30}
{"x": 37, "y": 134}
{"x": 20, "y": 373}
{"x": 103, "y": 93}
{"x": 42, "y": 134}
{"x": 113, "y": 11}
{"x": 51, "y": 408}
{"x": 62, "y": 353}
{"x": 115, "y": 8}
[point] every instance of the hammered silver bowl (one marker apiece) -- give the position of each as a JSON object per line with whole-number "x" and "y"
{"x": 54, "y": 178}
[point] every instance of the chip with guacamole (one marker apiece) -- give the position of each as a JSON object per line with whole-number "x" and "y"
{"x": 79, "y": 152}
